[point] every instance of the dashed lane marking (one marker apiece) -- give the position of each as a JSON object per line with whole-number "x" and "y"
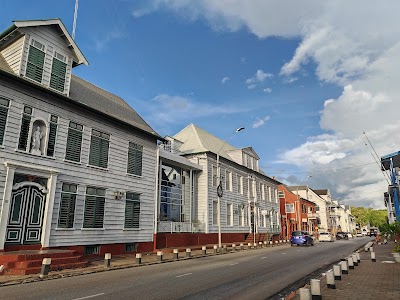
{"x": 187, "y": 274}
{"x": 234, "y": 264}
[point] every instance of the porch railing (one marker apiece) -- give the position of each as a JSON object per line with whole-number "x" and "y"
{"x": 174, "y": 227}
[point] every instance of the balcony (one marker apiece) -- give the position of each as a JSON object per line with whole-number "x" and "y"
{"x": 179, "y": 227}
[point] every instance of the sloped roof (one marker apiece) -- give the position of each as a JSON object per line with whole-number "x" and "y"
{"x": 80, "y": 58}
{"x": 197, "y": 140}
{"x": 321, "y": 192}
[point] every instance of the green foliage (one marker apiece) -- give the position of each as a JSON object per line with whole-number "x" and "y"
{"x": 369, "y": 216}
{"x": 392, "y": 229}
{"x": 396, "y": 248}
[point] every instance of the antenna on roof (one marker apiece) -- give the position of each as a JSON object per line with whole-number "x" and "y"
{"x": 75, "y": 17}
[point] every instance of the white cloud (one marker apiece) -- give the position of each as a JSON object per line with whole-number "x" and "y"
{"x": 225, "y": 79}
{"x": 268, "y": 90}
{"x": 260, "y": 122}
{"x": 353, "y": 44}
{"x": 259, "y": 77}
{"x": 251, "y": 86}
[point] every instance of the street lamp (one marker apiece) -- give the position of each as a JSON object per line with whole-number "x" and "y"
{"x": 299, "y": 202}
{"x": 219, "y": 187}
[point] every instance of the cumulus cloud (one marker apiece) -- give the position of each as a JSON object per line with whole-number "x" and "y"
{"x": 353, "y": 44}
{"x": 268, "y": 90}
{"x": 259, "y": 77}
{"x": 260, "y": 122}
{"x": 225, "y": 80}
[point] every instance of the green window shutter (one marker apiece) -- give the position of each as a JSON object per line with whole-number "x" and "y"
{"x": 74, "y": 144}
{"x": 3, "y": 121}
{"x": 98, "y": 155}
{"x": 132, "y": 210}
{"x": 34, "y": 68}
{"x": 58, "y": 71}
{"x": 52, "y": 139}
{"x": 23, "y": 137}
{"x": 135, "y": 156}
{"x": 67, "y": 210}
{"x": 94, "y": 212}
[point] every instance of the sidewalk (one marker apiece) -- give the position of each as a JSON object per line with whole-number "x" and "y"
{"x": 368, "y": 280}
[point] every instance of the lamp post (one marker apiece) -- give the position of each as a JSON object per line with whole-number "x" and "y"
{"x": 219, "y": 187}
{"x": 299, "y": 202}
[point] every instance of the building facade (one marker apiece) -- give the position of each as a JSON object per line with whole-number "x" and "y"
{"x": 77, "y": 164}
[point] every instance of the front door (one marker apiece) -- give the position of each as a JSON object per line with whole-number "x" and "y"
{"x": 26, "y": 215}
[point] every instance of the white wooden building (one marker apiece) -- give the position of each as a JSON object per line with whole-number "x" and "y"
{"x": 77, "y": 163}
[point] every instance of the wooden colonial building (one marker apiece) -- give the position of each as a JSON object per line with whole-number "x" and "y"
{"x": 77, "y": 163}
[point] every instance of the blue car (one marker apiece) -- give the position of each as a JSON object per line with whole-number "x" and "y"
{"x": 301, "y": 238}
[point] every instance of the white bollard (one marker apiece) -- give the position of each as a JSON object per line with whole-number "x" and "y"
{"x": 176, "y": 253}
{"x": 315, "y": 289}
{"x": 188, "y": 252}
{"x": 248, "y": 246}
{"x": 44, "y": 271}
{"x": 350, "y": 262}
{"x": 241, "y": 246}
{"x": 304, "y": 294}
{"x": 337, "y": 272}
{"x": 160, "y": 255}
{"x": 138, "y": 258}
{"x": 373, "y": 256}
{"x": 107, "y": 260}
{"x": 215, "y": 247}
{"x": 358, "y": 257}
{"x": 354, "y": 257}
{"x": 233, "y": 247}
{"x": 204, "y": 250}
{"x": 344, "y": 266}
{"x": 371, "y": 249}
{"x": 330, "y": 280}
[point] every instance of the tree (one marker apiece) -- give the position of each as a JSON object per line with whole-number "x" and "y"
{"x": 369, "y": 216}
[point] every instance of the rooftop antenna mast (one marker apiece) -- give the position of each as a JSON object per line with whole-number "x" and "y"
{"x": 75, "y": 17}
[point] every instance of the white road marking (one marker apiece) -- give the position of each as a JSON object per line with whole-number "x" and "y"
{"x": 263, "y": 257}
{"x": 234, "y": 264}
{"x": 283, "y": 253}
{"x": 184, "y": 275}
{"x": 91, "y": 296}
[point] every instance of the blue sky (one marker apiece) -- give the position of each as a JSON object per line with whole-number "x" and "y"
{"x": 304, "y": 79}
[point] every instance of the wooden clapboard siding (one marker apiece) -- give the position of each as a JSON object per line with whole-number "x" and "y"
{"x": 113, "y": 178}
{"x": 13, "y": 53}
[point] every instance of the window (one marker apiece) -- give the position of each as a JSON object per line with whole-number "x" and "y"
{"x": 262, "y": 188}
{"x": 269, "y": 194}
{"x": 58, "y": 70}
{"x": 241, "y": 214}
{"x": 25, "y": 125}
{"x": 251, "y": 188}
{"x": 289, "y": 208}
{"x": 135, "y": 156}
{"x": 214, "y": 176}
{"x": 52, "y": 135}
{"x": 228, "y": 181}
{"x": 4, "y": 104}
{"x": 303, "y": 208}
{"x": 67, "y": 206}
{"x": 281, "y": 194}
{"x": 94, "y": 207}
{"x": 74, "y": 142}
{"x": 132, "y": 210}
{"x": 99, "y": 145}
{"x": 34, "y": 67}
{"x": 240, "y": 184}
{"x": 229, "y": 214}
{"x": 215, "y": 213}
{"x": 316, "y": 208}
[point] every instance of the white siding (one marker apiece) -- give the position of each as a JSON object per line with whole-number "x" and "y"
{"x": 13, "y": 53}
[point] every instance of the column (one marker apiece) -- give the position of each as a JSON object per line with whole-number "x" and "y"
{"x": 48, "y": 211}
{"x": 6, "y": 204}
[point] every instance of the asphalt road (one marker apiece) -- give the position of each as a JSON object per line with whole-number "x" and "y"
{"x": 253, "y": 274}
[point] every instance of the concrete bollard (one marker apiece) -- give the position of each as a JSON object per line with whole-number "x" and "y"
{"x": 345, "y": 269}
{"x": 188, "y": 252}
{"x": 175, "y": 253}
{"x": 248, "y": 246}
{"x": 304, "y": 294}
{"x": 138, "y": 258}
{"x": 44, "y": 271}
{"x": 330, "y": 280}
{"x": 107, "y": 260}
{"x": 261, "y": 244}
{"x": 276, "y": 243}
{"x": 265, "y": 244}
{"x": 350, "y": 262}
{"x": 224, "y": 250}
{"x": 358, "y": 257}
{"x": 215, "y": 247}
{"x": 371, "y": 249}
{"x": 241, "y": 246}
{"x": 233, "y": 247}
{"x": 160, "y": 255}
{"x": 354, "y": 257}
{"x": 373, "y": 256}
{"x": 203, "y": 250}
{"x": 315, "y": 289}
{"x": 337, "y": 272}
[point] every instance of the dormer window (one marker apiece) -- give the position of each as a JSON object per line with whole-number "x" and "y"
{"x": 34, "y": 68}
{"x": 58, "y": 71}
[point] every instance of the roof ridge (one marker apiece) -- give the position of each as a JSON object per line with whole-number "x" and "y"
{"x": 195, "y": 128}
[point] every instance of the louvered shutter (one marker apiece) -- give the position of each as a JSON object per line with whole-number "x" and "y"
{"x": 67, "y": 210}
{"x": 34, "y": 68}
{"x": 98, "y": 152}
{"x": 52, "y": 139}
{"x": 132, "y": 210}
{"x": 90, "y": 212}
{"x": 3, "y": 120}
{"x": 94, "y": 209}
{"x": 23, "y": 137}
{"x": 135, "y": 155}
{"x": 58, "y": 70}
{"x": 74, "y": 143}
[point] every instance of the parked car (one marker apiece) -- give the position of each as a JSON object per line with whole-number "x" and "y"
{"x": 301, "y": 238}
{"x": 349, "y": 235}
{"x": 326, "y": 237}
{"x": 340, "y": 235}
{"x": 359, "y": 234}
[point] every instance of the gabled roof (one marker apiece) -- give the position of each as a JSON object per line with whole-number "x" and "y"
{"x": 80, "y": 58}
{"x": 321, "y": 192}
{"x": 251, "y": 150}
{"x": 197, "y": 140}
